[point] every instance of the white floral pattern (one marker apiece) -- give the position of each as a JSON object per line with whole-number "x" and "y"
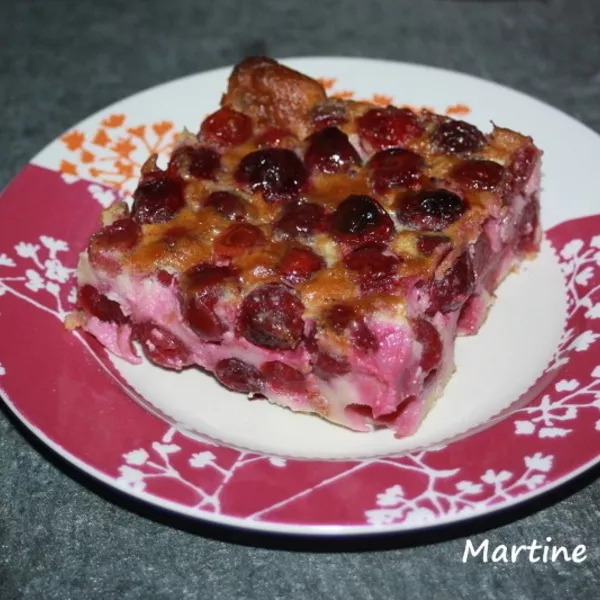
{"x": 36, "y": 272}
{"x": 43, "y": 271}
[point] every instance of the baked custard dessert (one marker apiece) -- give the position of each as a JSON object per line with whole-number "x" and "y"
{"x": 318, "y": 252}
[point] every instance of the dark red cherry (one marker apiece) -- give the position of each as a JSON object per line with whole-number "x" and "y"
{"x": 278, "y": 173}
{"x": 206, "y": 277}
{"x": 520, "y": 168}
{"x": 201, "y": 287}
{"x": 478, "y": 174}
{"x": 329, "y": 151}
{"x": 239, "y": 376}
{"x": 227, "y": 204}
{"x": 302, "y": 218}
{"x": 238, "y": 239}
{"x": 225, "y": 128}
{"x": 161, "y": 346}
{"x": 394, "y": 168}
{"x": 202, "y": 318}
{"x": 98, "y": 305}
{"x": 430, "y": 210}
{"x": 271, "y": 317}
{"x": 283, "y": 378}
{"x": 528, "y": 228}
{"x": 382, "y": 128}
{"x": 157, "y": 199}
{"x": 201, "y": 163}
{"x": 363, "y": 337}
{"x": 427, "y": 244}
{"x": 481, "y": 253}
{"x": 120, "y": 236}
{"x": 327, "y": 366}
{"x": 451, "y": 291}
{"x": 342, "y": 318}
{"x": 299, "y": 264}
{"x": 429, "y": 338}
{"x": 376, "y": 270}
{"x": 361, "y": 220}
{"x": 458, "y": 136}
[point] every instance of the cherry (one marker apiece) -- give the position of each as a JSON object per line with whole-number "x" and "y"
{"x": 329, "y": 151}
{"x": 165, "y": 278}
{"x": 430, "y": 210}
{"x": 342, "y": 318}
{"x": 520, "y": 168}
{"x": 429, "y": 338}
{"x": 201, "y": 287}
{"x": 206, "y": 277}
{"x": 120, "y": 236}
{"x": 394, "y": 168}
{"x": 301, "y": 218}
{"x": 283, "y": 378}
{"x": 226, "y": 128}
{"x": 480, "y": 254}
{"x": 360, "y": 220}
{"x": 363, "y": 337}
{"x": 427, "y": 244}
{"x": 528, "y": 227}
{"x": 377, "y": 272}
{"x": 201, "y": 317}
{"x": 239, "y": 376}
{"x": 161, "y": 346}
{"x": 452, "y": 290}
{"x": 382, "y": 128}
{"x": 331, "y": 113}
{"x": 99, "y": 306}
{"x": 478, "y": 174}
{"x": 201, "y": 163}
{"x": 157, "y": 199}
{"x": 271, "y": 317}
{"x": 238, "y": 239}
{"x": 227, "y": 204}
{"x": 278, "y": 173}
{"x": 326, "y": 366}
{"x": 458, "y": 136}
{"x": 299, "y": 263}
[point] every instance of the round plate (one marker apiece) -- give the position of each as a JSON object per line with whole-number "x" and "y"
{"x": 520, "y": 416}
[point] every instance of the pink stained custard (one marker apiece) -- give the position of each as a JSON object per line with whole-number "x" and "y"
{"x": 327, "y": 268}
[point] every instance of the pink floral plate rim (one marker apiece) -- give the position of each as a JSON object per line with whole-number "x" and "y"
{"x": 535, "y": 448}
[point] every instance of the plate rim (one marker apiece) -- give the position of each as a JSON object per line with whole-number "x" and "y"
{"x": 275, "y": 526}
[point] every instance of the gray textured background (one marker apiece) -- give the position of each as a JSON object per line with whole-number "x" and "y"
{"x": 63, "y": 59}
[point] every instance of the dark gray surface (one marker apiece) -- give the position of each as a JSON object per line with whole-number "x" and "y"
{"x": 62, "y": 60}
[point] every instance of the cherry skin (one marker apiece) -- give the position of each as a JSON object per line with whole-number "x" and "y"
{"x": 239, "y": 376}
{"x": 225, "y": 128}
{"x": 430, "y": 210}
{"x": 329, "y": 151}
{"x": 275, "y": 172}
{"x": 456, "y": 137}
{"x": 271, "y": 317}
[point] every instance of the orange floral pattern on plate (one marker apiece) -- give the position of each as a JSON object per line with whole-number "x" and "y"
{"x": 114, "y": 154}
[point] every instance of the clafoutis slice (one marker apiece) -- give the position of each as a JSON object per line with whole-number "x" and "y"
{"x": 321, "y": 253}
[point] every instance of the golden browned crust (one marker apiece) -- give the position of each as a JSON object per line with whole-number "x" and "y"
{"x": 273, "y": 94}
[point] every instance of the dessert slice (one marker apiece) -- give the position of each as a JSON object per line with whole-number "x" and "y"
{"x": 319, "y": 252}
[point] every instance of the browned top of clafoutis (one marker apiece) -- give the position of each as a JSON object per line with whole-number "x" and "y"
{"x": 342, "y": 201}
